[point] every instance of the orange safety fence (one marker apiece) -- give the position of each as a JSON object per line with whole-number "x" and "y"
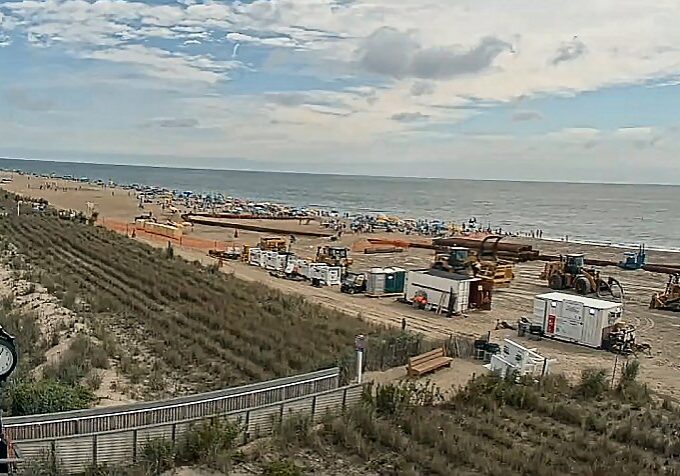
{"x": 129, "y": 229}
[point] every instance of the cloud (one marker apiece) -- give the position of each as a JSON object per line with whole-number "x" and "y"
{"x": 23, "y": 100}
{"x": 160, "y": 63}
{"x": 393, "y": 53}
{"x": 289, "y": 99}
{"x": 569, "y": 51}
{"x": 521, "y": 116}
{"x": 409, "y": 116}
{"x": 175, "y": 122}
{"x": 422, "y": 88}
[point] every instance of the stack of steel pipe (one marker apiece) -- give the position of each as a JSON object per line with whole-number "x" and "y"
{"x": 508, "y": 250}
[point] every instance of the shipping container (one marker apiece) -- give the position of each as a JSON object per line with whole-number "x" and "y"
{"x": 439, "y": 287}
{"x": 577, "y": 319}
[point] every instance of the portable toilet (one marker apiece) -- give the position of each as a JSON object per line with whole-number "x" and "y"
{"x": 375, "y": 282}
{"x": 394, "y": 280}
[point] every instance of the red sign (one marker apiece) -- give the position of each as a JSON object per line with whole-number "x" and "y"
{"x": 551, "y": 324}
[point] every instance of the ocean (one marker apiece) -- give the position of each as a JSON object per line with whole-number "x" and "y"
{"x": 591, "y": 213}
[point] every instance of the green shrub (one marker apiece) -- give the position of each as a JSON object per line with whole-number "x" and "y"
{"x": 294, "y": 431}
{"x": 593, "y": 383}
{"x": 29, "y": 397}
{"x": 45, "y": 465}
{"x": 157, "y": 456}
{"x": 207, "y": 443}
{"x": 282, "y": 467}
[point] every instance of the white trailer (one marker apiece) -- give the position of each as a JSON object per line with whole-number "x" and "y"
{"x": 515, "y": 358}
{"x": 577, "y": 319}
{"x": 332, "y": 275}
{"x": 271, "y": 260}
{"x": 255, "y": 257}
{"x": 317, "y": 271}
{"x": 439, "y": 287}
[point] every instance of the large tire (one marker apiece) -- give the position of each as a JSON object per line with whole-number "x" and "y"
{"x": 556, "y": 282}
{"x": 582, "y": 285}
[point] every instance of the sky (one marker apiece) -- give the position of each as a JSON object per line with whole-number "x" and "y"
{"x": 489, "y": 89}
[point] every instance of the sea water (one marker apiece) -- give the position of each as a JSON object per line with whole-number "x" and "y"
{"x": 592, "y": 213}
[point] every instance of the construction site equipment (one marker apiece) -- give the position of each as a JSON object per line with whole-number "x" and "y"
{"x": 273, "y": 243}
{"x": 517, "y": 359}
{"x": 485, "y": 264}
{"x": 385, "y": 281}
{"x": 428, "y": 362}
{"x": 354, "y": 283}
{"x": 669, "y": 299}
{"x": 621, "y": 339}
{"x": 229, "y": 253}
{"x": 445, "y": 292}
{"x": 570, "y": 273}
{"x": 634, "y": 259}
{"x": 505, "y": 250}
{"x": 577, "y": 319}
{"x": 333, "y": 256}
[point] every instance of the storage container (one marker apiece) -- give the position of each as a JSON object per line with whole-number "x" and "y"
{"x": 577, "y": 319}
{"x": 440, "y": 287}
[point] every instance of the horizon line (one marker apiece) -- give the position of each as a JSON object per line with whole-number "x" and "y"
{"x": 336, "y": 174}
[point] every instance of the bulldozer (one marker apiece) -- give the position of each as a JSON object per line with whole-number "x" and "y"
{"x": 570, "y": 273}
{"x": 333, "y": 256}
{"x": 484, "y": 264}
{"x": 273, "y": 243}
{"x": 669, "y": 299}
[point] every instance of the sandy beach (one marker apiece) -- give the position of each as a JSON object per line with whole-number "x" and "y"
{"x": 661, "y": 370}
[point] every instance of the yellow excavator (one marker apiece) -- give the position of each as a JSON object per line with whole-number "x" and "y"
{"x": 570, "y": 273}
{"x": 483, "y": 264}
{"x": 669, "y": 299}
{"x": 273, "y": 243}
{"x": 333, "y": 256}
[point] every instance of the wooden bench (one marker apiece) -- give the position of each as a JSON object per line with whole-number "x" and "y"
{"x": 428, "y": 362}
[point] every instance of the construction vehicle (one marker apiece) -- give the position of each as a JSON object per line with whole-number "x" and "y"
{"x": 354, "y": 283}
{"x": 273, "y": 243}
{"x": 484, "y": 264}
{"x": 333, "y": 256}
{"x": 229, "y": 253}
{"x": 634, "y": 259}
{"x": 669, "y": 299}
{"x": 570, "y": 273}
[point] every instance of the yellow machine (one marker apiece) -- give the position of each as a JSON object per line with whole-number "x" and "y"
{"x": 273, "y": 243}
{"x": 484, "y": 264}
{"x": 333, "y": 256}
{"x": 669, "y": 299}
{"x": 570, "y": 273}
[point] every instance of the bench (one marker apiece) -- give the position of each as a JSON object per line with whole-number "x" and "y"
{"x": 428, "y": 362}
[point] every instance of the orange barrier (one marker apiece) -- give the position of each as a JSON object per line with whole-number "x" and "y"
{"x": 184, "y": 242}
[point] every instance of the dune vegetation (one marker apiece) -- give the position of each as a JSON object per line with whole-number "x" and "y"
{"x": 177, "y": 326}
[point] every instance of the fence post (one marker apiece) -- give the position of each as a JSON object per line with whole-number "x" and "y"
{"x": 247, "y": 428}
{"x": 344, "y": 398}
{"x": 174, "y": 433}
{"x": 134, "y": 446}
{"x": 313, "y": 408}
{"x": 94, "y": 450}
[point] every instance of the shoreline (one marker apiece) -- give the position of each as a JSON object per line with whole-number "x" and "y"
{"x": 323, "y": 212}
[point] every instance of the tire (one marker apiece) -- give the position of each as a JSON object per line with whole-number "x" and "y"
{"x": 556, "y": 282}
{"x": 582, "y": 286}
